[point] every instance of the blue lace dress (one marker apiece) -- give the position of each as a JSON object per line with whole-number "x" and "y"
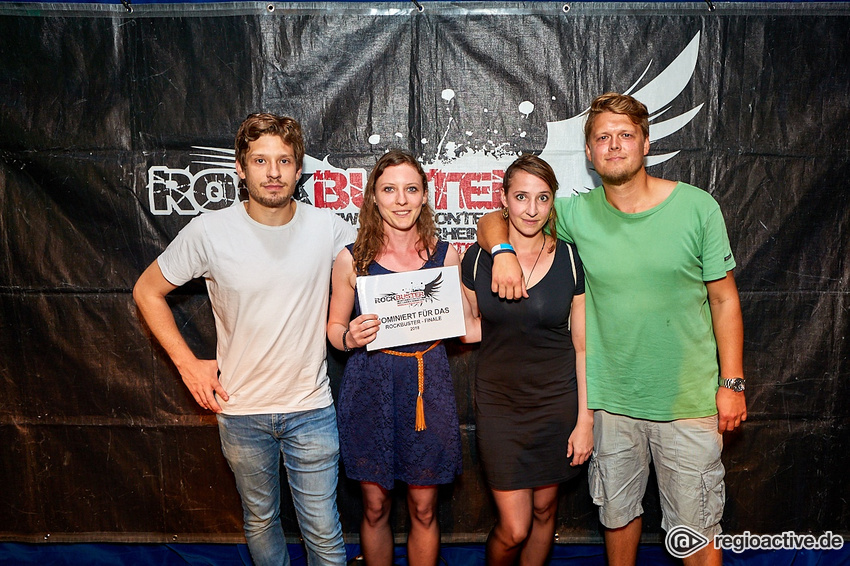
{"x": 377, "y": 412}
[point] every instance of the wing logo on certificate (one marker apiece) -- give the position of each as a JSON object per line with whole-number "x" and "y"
{"x": 413, "y": 306}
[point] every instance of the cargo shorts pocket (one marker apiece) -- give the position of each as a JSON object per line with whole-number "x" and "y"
{"x": 713, "y": 495}
{"x": 594, "y": 480}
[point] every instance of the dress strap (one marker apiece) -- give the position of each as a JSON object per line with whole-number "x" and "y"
{"x": 420, "y": 362}
{"x": 475, "y": 267}
{"x": 439, "y": 257}
{"x": 575, "y": 278}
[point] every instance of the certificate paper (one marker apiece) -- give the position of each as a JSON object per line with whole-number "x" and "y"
{"x": 413, "y": 306}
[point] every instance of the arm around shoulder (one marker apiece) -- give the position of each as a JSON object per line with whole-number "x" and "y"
{"x": 491, "y": 230}
{"x": 507, "y": 278}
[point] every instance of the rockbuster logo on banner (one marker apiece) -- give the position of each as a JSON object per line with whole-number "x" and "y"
{"x": 464, "y": 182}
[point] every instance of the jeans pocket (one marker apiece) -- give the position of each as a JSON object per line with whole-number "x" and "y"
{"x": 713, "y": 495}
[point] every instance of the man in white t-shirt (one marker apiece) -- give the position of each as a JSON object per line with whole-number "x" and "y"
{"x": 267, "y": 264}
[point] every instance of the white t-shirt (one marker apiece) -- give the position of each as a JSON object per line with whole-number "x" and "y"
{"x": 268, "y": 286}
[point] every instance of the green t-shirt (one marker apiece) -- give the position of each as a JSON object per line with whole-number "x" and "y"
{"x": 651, "y": 351}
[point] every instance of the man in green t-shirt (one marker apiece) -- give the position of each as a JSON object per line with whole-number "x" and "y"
{"x": 662, "y": 311}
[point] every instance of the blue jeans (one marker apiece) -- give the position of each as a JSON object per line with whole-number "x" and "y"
{"x": 309, "y": 444}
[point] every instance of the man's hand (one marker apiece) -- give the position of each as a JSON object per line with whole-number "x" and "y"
{"x": 731, "y": 409}
{"x": 507, "y": 278}
{"x": 201, "y": 378}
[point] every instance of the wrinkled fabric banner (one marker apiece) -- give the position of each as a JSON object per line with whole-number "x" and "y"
{"x": 117, "y": 126}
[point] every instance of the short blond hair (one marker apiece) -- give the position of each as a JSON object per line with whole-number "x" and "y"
{"x": 618, "y": 104}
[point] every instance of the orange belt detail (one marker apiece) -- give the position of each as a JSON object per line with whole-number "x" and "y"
{"x": 420, "y": 361}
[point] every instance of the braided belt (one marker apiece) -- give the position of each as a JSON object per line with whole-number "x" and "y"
{"x": 420, "y": 362}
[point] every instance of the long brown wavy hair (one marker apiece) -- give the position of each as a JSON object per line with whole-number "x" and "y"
{"x": 370, "y": 237}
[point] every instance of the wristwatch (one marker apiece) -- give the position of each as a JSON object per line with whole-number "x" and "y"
{"x": 734, "y": 383}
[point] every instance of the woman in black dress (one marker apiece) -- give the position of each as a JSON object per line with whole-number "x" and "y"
{"x": 532, "y": 422}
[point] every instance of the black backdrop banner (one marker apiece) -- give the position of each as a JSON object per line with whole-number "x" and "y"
{"x": 116, "y": 128}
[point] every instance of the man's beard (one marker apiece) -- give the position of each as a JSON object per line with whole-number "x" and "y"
{"x": 271, "y": 201}
{"x": 619, "y": 177}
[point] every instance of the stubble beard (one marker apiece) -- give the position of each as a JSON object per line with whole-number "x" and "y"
{"x": 280, "y": 200}
{"x": 620, "y": 177}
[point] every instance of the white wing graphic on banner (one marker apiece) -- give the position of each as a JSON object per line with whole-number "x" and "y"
{"x": 564, "y": 149}
{"x": 466, "y": 180}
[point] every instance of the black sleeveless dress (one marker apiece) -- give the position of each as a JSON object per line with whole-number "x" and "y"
{"x": 526, "y": 400}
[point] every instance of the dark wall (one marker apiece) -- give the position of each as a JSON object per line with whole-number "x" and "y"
{"x": 112, "y": 126}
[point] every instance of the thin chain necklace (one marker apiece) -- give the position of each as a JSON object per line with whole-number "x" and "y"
{"x": 535, "y": 261}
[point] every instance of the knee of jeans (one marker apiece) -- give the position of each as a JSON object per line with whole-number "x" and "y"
{"x": 255, "y": 524}
{"x": 259, "y": 507}
{"x": 326, "y": 536}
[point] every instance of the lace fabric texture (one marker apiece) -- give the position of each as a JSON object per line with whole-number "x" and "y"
{"x": 377, "y": 413}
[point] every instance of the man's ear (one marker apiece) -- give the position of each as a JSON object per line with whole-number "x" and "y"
{"x": 239, "y": 170}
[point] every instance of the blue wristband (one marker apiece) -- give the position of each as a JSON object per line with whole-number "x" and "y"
{"x": 502, "y": 248}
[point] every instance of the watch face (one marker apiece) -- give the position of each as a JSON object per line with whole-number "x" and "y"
{"x": 735, "y": 384}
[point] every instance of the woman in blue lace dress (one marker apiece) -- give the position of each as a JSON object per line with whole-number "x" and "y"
{"x": 384, "y": 436}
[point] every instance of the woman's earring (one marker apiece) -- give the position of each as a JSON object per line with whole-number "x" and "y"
{"x": 505, "y": 213}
